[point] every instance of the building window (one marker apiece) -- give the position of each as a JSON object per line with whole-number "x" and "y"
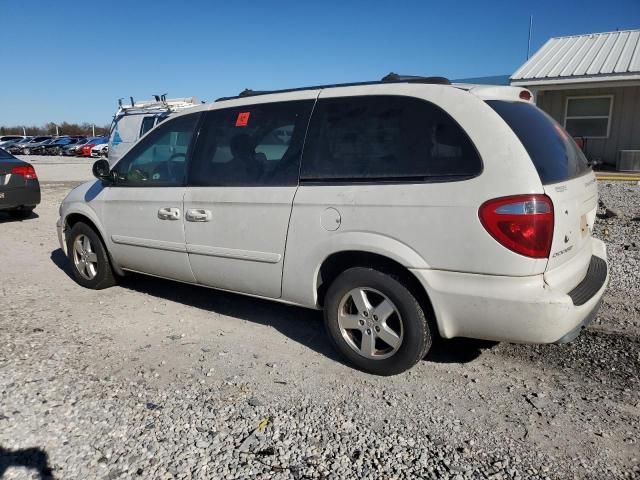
{"x": 588, "y": 117}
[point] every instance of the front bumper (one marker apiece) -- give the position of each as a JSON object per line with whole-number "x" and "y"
{"x": 513, "y": 309}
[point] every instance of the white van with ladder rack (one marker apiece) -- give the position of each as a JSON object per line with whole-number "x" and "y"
{"x": 133, "y": 121}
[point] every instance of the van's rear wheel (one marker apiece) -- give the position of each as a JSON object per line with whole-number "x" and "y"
{"x": 376, "y": 322}
{"x": 89, "y": 260}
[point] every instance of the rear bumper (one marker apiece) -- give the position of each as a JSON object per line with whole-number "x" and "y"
{"x": 513, "y": 309}
{"x": 573, "y": 334}
{"x": 28, "y": 195}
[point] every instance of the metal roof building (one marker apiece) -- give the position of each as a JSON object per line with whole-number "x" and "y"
{"x": 595, "y": 57}
{"x": 591, "y": 85}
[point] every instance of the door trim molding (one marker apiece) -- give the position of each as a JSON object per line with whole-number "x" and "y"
{"x": 149, "y": 243}
{"x": 232, "y": 253}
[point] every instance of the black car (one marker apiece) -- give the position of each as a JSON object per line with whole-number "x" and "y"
{"x": 19, "y": 186}
{"x": 56, "y": 147}
{"x": 39, "y": 148}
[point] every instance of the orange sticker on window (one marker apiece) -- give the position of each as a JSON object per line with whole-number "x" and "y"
{"x": 243, "y": 119}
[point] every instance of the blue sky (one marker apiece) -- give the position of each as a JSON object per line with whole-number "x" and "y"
{"x": 73, "y": 61}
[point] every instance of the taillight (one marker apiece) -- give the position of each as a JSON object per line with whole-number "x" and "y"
{"x": 27, "y": 171}
{"x": 522, "y": 223}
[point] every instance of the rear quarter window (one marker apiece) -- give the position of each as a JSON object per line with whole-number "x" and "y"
{"x": 553, "y": 152}
{"x": 386, "y": 138}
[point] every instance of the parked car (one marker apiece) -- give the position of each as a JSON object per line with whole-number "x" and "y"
{"x": 39, "y": 149}
{"x": 85, "y": 151}
{"x": 8, "y": 143}
{"x": 56, "y": 147}
{"x": 418, "y": 209}
{"x": 100, "y": 150}
{"x": 72, "y": 149}
{"x": 7, "y": 140}
{"x": 19, "y": 187}
{"x": 27, "y": 147}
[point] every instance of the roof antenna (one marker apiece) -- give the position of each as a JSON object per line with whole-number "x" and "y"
{"x": 529, "y": 42}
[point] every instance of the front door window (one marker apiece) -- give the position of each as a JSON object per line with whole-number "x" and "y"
{"x": 160, "y": 158}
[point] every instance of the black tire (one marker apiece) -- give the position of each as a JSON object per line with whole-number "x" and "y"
{"x": 21, "y": 213}
{"x": 417, "y": 336}
{"x": 104, "y": 276}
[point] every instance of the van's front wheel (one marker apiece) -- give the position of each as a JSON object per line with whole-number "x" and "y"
{"x": 89, "y": 260}
{"x": 376, "y": 322}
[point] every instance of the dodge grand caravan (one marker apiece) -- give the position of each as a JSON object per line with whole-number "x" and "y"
{"x": 406, "y": 209}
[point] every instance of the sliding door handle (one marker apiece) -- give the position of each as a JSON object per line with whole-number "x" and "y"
{"x": 198, "y": 215}
{"x": 169, "y": 213}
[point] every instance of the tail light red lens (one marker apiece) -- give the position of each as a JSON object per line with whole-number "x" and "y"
{"x": 521, "y": 223}
{"x": 27, "y": 171}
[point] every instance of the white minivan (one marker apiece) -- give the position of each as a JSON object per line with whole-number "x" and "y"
{"x": 406, "y": 209}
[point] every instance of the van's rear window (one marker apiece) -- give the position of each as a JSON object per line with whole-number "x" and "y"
{"x": 555, "y": 155}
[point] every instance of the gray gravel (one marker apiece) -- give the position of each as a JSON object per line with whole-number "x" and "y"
{"x": 157, "y": 380}
{"x": 622, "y": 235}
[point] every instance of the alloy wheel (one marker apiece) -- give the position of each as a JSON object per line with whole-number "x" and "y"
{"x": 370, "y": 323}
{"x": 84, "y": 257}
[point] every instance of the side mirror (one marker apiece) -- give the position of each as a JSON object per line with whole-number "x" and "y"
{"x": 102, "y": 171}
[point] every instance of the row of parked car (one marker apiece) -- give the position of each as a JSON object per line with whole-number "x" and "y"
{"x": 70, "y": 145}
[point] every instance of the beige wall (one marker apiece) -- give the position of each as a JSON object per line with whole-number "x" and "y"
{"x": 625, "y": 118}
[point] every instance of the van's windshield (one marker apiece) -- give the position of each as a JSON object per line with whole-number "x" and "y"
{"x": 555, "y": 155}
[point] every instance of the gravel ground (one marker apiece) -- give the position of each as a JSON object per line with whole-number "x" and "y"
{"x": 153, "y": 379}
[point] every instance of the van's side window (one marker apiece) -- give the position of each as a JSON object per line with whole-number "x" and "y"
{"x": 255, "y": 145}
{"x": 147, "y": 124}
{"x": 387, "y": 138}
{"x": 160, "y": 158}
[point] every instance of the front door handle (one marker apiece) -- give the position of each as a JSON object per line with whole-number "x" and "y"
{"x": 198, "y": 215}
{"x": 169, "y": 213}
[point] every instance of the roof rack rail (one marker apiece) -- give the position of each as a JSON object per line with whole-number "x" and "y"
{"x": 395, "y": 78}
{"x": 247, "y": 92}
{"x": 390, "y": 78}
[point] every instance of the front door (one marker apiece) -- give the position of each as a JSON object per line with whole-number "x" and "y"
{"x": 242, "y": 182}
{"x": 143, "y": 210}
